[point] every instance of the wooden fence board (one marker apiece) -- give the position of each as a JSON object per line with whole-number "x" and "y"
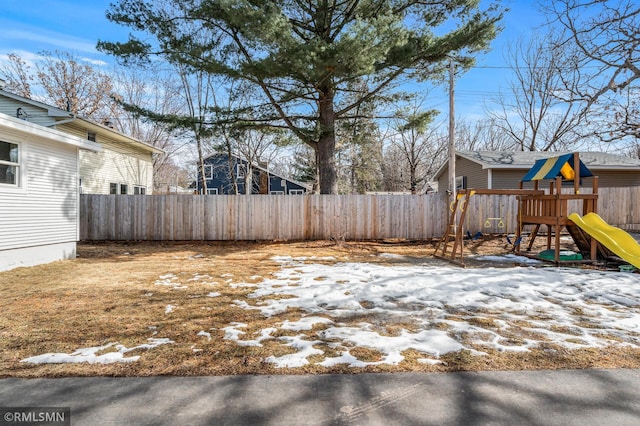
{"x": 313, "y": 217}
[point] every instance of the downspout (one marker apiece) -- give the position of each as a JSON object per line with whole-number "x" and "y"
{"x": 77, "y": 183}
{"x": 490, "y": 179}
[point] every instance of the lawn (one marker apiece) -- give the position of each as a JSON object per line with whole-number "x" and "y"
{"x": 309, "y": 307}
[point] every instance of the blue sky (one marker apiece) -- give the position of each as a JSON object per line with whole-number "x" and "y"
{"x": 31, "y": 26}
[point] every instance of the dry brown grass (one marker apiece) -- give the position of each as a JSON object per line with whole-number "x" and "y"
{"x": 110, "y": 294}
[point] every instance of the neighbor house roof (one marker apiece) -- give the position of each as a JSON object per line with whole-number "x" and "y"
{"x": 521, "y": 160}
{"x": 68, "y": 117}
{"x": 258, "y": 167}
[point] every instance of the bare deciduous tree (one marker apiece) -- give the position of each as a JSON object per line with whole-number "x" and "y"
{"x": 482, "y": 135}
{"x": 17, "y": 75}
{"x": 74, "y": 86}
{"x": 537, "y": 117}
{"x": 418, "y": 143}
{"x": 152, "y": 91}
{"x": 65, "y": 82}
{"x": 605, "y": 40}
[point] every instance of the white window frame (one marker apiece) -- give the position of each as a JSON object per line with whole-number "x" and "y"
{"x": 142, "y": 190}
{"x": 208, "y": 171}
{"x": 119, "y": 188}
{"x": 19, "y": 167}
{"x": 296, "y": 192}
{"x": 240, "y": 171}
{"x": 212, "y": 191}
{"x": 276, "y": 193}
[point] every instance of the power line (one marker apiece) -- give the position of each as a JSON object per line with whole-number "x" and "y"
{"x": 528, "y": 67}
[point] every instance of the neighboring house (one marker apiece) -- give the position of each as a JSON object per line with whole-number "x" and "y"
{"x": 219, "y": 173}
{"x": 505, "y": 169}
{"x": 38, "y": 192}
{"x": 124, "y": 166}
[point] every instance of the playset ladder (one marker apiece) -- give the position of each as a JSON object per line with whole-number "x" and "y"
{"x": 454, "y": 234}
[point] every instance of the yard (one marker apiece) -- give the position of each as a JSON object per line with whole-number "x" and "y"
{"x": 310, "y": 307}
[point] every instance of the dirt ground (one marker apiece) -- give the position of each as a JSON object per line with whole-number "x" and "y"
{"x": 111, "y": 293}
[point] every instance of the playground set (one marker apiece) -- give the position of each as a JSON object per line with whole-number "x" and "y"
{"x": 596, "y": 241}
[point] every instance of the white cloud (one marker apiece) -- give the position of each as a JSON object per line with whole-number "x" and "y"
{"x": 50, "y": 39}
{"x": 96, "y": 62}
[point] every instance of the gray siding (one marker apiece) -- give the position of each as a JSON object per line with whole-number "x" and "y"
{"x": 613, "y": 179}
{"x": 476, "y": 177}
{"x": 443, "y": 185}
{"x": 508, "y": 179}
{"x": 34, "y": 114}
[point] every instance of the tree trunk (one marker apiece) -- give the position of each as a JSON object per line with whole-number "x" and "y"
{"x": 327, "y": 143}
{"x": 248, "y": 180}
{"x": 232, "y": 163}
{"x": 201, "y": 165}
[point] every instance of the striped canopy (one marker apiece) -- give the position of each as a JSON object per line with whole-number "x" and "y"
{"x": 550, "y": 168}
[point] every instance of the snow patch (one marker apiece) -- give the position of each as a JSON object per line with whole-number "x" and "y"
{"x": 511, "y": 258}
{"x": 205, "y": 334}
{"x": 299, "y": 359}
{"x": 88, "y": 355}
{"x": 445, "y": 306}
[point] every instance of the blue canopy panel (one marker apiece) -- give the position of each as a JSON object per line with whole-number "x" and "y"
{"x": 550, "y": 168}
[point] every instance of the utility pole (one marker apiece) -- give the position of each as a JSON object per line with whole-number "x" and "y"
{"x": 452, "y": 139}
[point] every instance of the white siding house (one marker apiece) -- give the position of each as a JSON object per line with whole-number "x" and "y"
{"x": 38, "y": 192}
{"x": 125, "y": 164}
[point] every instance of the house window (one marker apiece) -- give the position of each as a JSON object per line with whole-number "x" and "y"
{"x": 277, "y": 193}
{"x": 91, "y": 136}
{"x": 212, "y": 191}
{"x": 208, "y": 171}
{"x": 9, "y": 163}
{"x": 139, "y": 190}
{"x": 296, "y": 191}
{"x": 240, "y": 170}
{"x": 119, "y": 188}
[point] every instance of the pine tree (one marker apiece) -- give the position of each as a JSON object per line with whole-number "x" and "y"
{"x": 302, "y": 55}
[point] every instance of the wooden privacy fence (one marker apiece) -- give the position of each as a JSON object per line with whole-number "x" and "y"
{"x": 312, "y": 217}
{"x": 260, "y": 217}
